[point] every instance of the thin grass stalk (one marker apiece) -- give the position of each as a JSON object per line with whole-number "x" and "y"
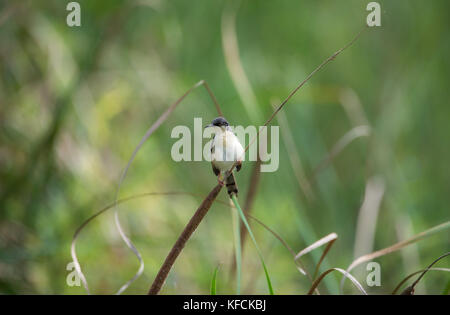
{"x": 410, "y": 290}
{"x": 98, "y": 213}
{"x": 397, "y": 246}
{"x": 241, "y": 213}
{"x": 213, "y": 289}
{"x": 300, "y": 267}
{"x": 416, "y": 273}
{"x": 325, "y": 252}
{"x": 237, "y": 262}
{"x": 345, "y": 273}
{"x": 163, "y": 272}
{"x": 248, "y": 206}
{"x": 148, "y": 133}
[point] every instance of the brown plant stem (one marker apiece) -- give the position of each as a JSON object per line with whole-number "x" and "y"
{"x": 206, "y": 204}
{"x": 410, "y": 290}
{"x": 182, "y": 239}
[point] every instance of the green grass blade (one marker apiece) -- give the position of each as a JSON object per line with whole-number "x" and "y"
{"x": 238, "y": 251}
{"x": 213, "y": 281}
{"x": 241, "y": 213}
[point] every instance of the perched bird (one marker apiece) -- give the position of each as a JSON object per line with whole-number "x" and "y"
{"x": 225, "y": 151}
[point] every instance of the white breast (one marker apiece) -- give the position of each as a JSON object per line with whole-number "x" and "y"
{"x": 227, "y": 150}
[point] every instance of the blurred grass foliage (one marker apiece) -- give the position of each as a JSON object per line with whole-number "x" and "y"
{"x": 74, "y": 102}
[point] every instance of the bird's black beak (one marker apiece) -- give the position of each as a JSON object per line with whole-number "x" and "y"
{"x": 210, "y": 125}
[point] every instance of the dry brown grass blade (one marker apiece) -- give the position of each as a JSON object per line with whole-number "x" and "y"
{"x": 325, "y": 252}
{"x": 317, "y": 69}
{"x": 396, "y": 247}
{"x": 300, "y": 267}
{"x": 416, "y": 273}
{"x": 324, "y": 240}
{"x": 109, "y": 207}
{"x": 329, "y": 239}
{"x": 345, "y": 273}
{"x": 124, "y": 237}
{"x": 162, "y": 274}
{"x": 148, "y": 133}
{"x": 332, "y": 57}
{"x": 410, "y": 290}
{"x": 232, "y": 58}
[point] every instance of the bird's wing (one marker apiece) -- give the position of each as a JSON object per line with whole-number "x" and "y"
{"x": 215, "y": 169}
{"x": 238, "y": 166}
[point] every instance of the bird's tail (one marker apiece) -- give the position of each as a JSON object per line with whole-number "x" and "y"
{"x": 231, "y": 185}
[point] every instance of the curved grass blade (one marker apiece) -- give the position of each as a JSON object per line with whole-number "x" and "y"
{"x": 329, "y": 239}
{"x": 241, "y": 213}
{"x": 410, "y": 290}
{"x": 324, "y": 240}
{"x": 345, "y": 273}
{"x": 396, "y": 247}
{"x": 416, "y": 273}
{"x": 325, "y": 252}
{"x": 213, "y": 281}
{"x": 148, "y": 133}
{"x": 109, "y": 207}
{"x": 298, "y": 263}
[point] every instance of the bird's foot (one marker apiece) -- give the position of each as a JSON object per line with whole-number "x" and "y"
{"x": 221, "y": 182}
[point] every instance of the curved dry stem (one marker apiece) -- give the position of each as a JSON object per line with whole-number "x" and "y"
{"x": 345, "y": 273}
{"x": 396, "y": 247}
{"x": 416, "y": 273}
{"x": 329, "y": 240}
{"x": 85, "y": 223}
{"x": 324, "y": 240}
{"x": 148, "y": 133}
{"x": 325, "y": 252}
{"x": 410, "y": 290}
{"x": 319, "y": 67}
{"x": 300, "y": 267}
{"x": 180, "y": 242}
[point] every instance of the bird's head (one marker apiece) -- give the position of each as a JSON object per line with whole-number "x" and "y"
{"x": 219, "y": 122}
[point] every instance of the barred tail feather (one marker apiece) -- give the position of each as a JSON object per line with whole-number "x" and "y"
{"x": 231, "y": 185}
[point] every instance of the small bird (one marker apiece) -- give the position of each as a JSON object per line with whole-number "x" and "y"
{"x": 225, "y": 151}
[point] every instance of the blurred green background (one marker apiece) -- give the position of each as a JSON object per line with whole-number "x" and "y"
{"x": 74, "y": 103}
